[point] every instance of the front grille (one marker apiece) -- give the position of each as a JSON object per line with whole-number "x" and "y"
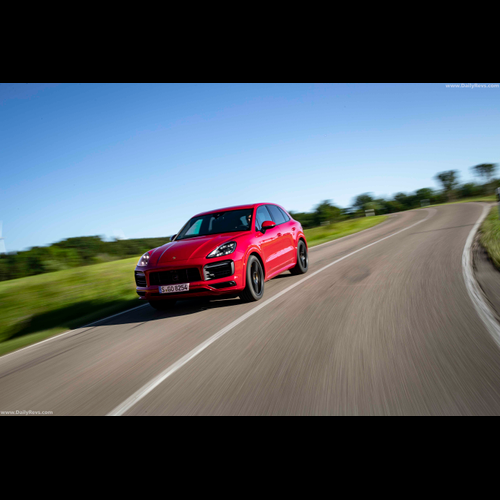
{"x": 140, "y": 279}
{"x": 174, "y": 277}
{"x": 218, "y": 270}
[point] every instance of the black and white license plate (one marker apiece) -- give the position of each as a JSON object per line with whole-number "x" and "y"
{"x": 174, "y": 288}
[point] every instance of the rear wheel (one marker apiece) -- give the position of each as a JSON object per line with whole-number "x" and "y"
{"x": 302, "y": 259}
{"x": 162, "y": 305}
{"x": 254, "y": 289}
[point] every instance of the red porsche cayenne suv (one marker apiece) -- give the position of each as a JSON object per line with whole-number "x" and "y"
{"x": 226, "y": 252}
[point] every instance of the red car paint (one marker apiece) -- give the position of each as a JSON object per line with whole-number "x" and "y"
{"x": 276, "y": 247}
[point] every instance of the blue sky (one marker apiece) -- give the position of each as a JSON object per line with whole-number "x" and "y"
{"x": 139, "y": 160}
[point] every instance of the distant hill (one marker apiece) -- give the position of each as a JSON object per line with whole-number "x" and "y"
{"x": 72, "y": 252}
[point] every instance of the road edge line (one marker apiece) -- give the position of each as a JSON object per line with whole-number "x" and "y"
{"x": 473, "y": 288}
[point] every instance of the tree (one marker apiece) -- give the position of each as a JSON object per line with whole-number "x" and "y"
{"x": 362, "y": 201}
{"x": 326, "y": 211}
{"x": 306, "y": 219}
{"x": 424, "y": 194}
{"x": 392, "y": 206}
{"x": 469, "y": 189}
{"x": 408, "y": 201}
{"x": 449, "y": 180}
{"x": 485, "y": 170}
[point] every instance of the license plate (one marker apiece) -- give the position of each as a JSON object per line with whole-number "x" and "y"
{"x": 174, "y": 288}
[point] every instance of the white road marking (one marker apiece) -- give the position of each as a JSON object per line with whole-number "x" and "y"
{"x": 476, "y": 295}
{"x": 59, "y": 335}
{"x": 150, "y": 386}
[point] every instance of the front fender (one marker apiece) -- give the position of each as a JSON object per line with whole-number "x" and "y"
{"x": 300, "y": 235}
{"x": 254, "y": 249}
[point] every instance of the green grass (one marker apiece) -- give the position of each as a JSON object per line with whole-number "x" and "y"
{"x": 36, "y": 308}
{"x": 490, "y": 236}
{"x": 323, "y": 234}
{"x": 487, "y": 199}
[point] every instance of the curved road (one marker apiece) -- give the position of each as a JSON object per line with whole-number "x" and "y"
{"x": 388, "y": 328}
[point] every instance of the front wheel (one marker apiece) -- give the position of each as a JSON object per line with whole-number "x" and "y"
{"x": 254, "y": 289}
{"x": 162, "y": 305}
{"x": 302, "y": 259}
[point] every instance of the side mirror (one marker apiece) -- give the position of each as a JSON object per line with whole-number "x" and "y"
{"x": 172, "y": 238}
{"x": 268, "y": 224}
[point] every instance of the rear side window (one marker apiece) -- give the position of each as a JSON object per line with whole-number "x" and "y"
{"x": 261, "y": 216}
{"x": 276, "y": 214}
{"x": 285, "y": 215}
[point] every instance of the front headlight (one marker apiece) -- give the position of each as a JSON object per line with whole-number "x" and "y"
{"x": 144, "y": 260}
{"x": 225, "y": 249}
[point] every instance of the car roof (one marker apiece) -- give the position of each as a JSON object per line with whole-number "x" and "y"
{"x": 238, "y": 207}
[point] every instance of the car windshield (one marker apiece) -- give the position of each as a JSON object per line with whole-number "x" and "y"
{"x": 221, "y": 222}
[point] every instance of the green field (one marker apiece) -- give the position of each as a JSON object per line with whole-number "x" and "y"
{"x": 323, "y": 234}
{"x": 487, "y": 199}
{"x": 490, "y": 236}
{"x": 38, "y": 307}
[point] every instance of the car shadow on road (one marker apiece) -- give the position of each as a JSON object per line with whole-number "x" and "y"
{"x": 69, "y": 317}
{"x": 282, "y": 276}
{"x": 112, "y": 312}
{"x": 182, "y": 308}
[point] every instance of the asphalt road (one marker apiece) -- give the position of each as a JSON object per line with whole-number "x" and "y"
{"x": 387, "y": 330}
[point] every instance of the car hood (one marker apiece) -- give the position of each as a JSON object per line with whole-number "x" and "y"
{"x": 191, "y": 248}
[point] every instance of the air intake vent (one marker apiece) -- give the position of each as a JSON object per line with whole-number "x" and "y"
{"x": 218, "y": 270}
{"x": 140, "y": 279}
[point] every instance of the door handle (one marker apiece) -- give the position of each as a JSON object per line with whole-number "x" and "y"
{"x": 293, "y": 229}
{"x": 279, "y": 235}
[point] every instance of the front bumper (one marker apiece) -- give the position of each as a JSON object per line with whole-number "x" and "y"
{"x": 227, "y": 285}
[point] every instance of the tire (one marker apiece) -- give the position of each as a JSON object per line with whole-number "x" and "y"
{"x": 254, "y": 289}
{"x": 162, "y": 305}
{"x": 302, "y": 259}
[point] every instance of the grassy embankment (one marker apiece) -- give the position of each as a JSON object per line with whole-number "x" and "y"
{"x": 487, "y": 199}
{"x": 323, "y": 234}
{"x": 490, "y": 236}
{"x": 35, "y": 308}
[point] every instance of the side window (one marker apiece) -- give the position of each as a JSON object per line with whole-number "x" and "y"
{"x": 262, "y": 215}
{"x": 195, "y": 228}
{"x": 276, "y": 214}
{"x": 285, "y": 215}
